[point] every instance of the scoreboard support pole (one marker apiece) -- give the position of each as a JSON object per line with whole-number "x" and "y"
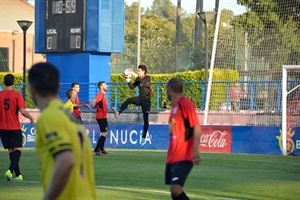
{"x": 82, "y": 67}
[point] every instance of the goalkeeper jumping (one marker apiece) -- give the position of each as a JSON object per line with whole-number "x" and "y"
{"x": 143, "y": 82}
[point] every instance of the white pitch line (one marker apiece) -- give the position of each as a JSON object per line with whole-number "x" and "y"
{"x": 144, "y": 190}
{"x": 161, "y": 192}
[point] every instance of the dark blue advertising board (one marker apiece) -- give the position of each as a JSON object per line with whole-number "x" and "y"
{"x": 245, "y": 139}
{"x": 264, "y": 140}
{"x": 127, "y": 136}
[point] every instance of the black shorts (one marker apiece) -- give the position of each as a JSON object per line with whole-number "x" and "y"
{"x": 144, "y": 102}
{"x": 11, "y": 138}
{"x": 103, "y": 125}
{"x": 79, "y": 119}
{"x": 177, "y": 173}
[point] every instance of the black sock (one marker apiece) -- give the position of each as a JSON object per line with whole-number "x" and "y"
{"x": 182, "y": 196}
{"x": 144, "y": 135}
{"x": 15, "y": 158}
{"x": 17, "y": 170}
{"x": 10, "y": 158}
{"x": 98, "y": 145}
{"x": 102, "y": 140}
{"x": 146, "y": 122}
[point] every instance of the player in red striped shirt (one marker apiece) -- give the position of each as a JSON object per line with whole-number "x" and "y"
{"x": 11, "y": 102}
{"x": 77, "y": 104}
{"x": 100, "y": 103}
{"x": 183, "y": 151}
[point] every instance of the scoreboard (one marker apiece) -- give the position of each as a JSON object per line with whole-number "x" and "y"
{"x": 64, "y": 25}
{"x": 74, "y": 26}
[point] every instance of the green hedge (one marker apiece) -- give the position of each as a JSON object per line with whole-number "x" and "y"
{"x": 192, "y": 87}
{"x": 18, "y": 87}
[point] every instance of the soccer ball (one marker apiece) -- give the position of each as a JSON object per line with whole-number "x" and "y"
{"x": 127, "y": 73}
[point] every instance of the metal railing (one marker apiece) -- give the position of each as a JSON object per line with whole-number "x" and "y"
{"x": 258, "y": 95}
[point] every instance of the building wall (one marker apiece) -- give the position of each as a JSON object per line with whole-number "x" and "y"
{"x": 14, "y": 42}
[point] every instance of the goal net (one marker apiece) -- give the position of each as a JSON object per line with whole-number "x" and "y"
{"x": 252, "y": 41}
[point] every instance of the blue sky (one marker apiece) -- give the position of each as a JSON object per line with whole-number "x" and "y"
{"x": 190, "y": 5}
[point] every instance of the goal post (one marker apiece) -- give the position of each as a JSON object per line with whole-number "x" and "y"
{"x": 244, "y": 86}
{"x": 211, "y": 68}
{"x": 285, "y": 92}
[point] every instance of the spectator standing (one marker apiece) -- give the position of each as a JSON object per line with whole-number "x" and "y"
{"x": 235, "y": 94}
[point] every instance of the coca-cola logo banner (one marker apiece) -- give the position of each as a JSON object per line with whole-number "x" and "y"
{"x": 215, "y": 139}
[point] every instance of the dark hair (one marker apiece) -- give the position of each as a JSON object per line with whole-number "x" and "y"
{"x": 143, "y": 67}
{"x": 74, "y": 83}
{"x": 176, "y": 85}
{"x": 9, "y": 80}
{"x": 100, "y": 83}
{"x": 44, "y": 78}
{"x": 69, "y": 93}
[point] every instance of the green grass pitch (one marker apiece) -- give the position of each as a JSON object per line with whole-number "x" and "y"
{"x": 139, "y": 175}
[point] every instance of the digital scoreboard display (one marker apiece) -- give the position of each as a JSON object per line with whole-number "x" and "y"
{"x": 64, "y": 25}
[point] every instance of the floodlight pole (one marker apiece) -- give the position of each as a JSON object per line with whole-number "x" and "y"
{"x": 206, "y": 17}
{"x": 139, "y": 35}
{"x": 206, "y": 50}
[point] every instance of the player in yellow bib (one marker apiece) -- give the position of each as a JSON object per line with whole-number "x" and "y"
{"x": 61, "y": 142}
{"x": 71, "y": 94}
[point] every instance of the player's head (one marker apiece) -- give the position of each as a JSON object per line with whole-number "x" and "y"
{"x": 75, "y": 86}
{"x": 9, "y": 80}
{"x": 102, "y": 86}
{"x": 142, "y": 70}
{"x": 237, "y": 84}
{"x": 174, "y": 86}
{"x": 71, "y": 94}
{"x": 43, "y": 80}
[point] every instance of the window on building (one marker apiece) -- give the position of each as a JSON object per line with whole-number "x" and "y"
{"x": 4, "y": 59}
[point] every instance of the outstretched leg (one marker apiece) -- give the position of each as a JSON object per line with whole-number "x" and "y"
{"x": 132, "y": 100}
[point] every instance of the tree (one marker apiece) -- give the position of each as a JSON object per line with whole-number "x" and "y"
{"x": 131, "y": 29}
{"x": 186, "y": 46}
{"x": 158, "y": 48}
{"x": 273, "y": 27}
{"x": 157, "y": 45}
{"x": 165, "y": 9}
{"x": 230, "y": 42}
